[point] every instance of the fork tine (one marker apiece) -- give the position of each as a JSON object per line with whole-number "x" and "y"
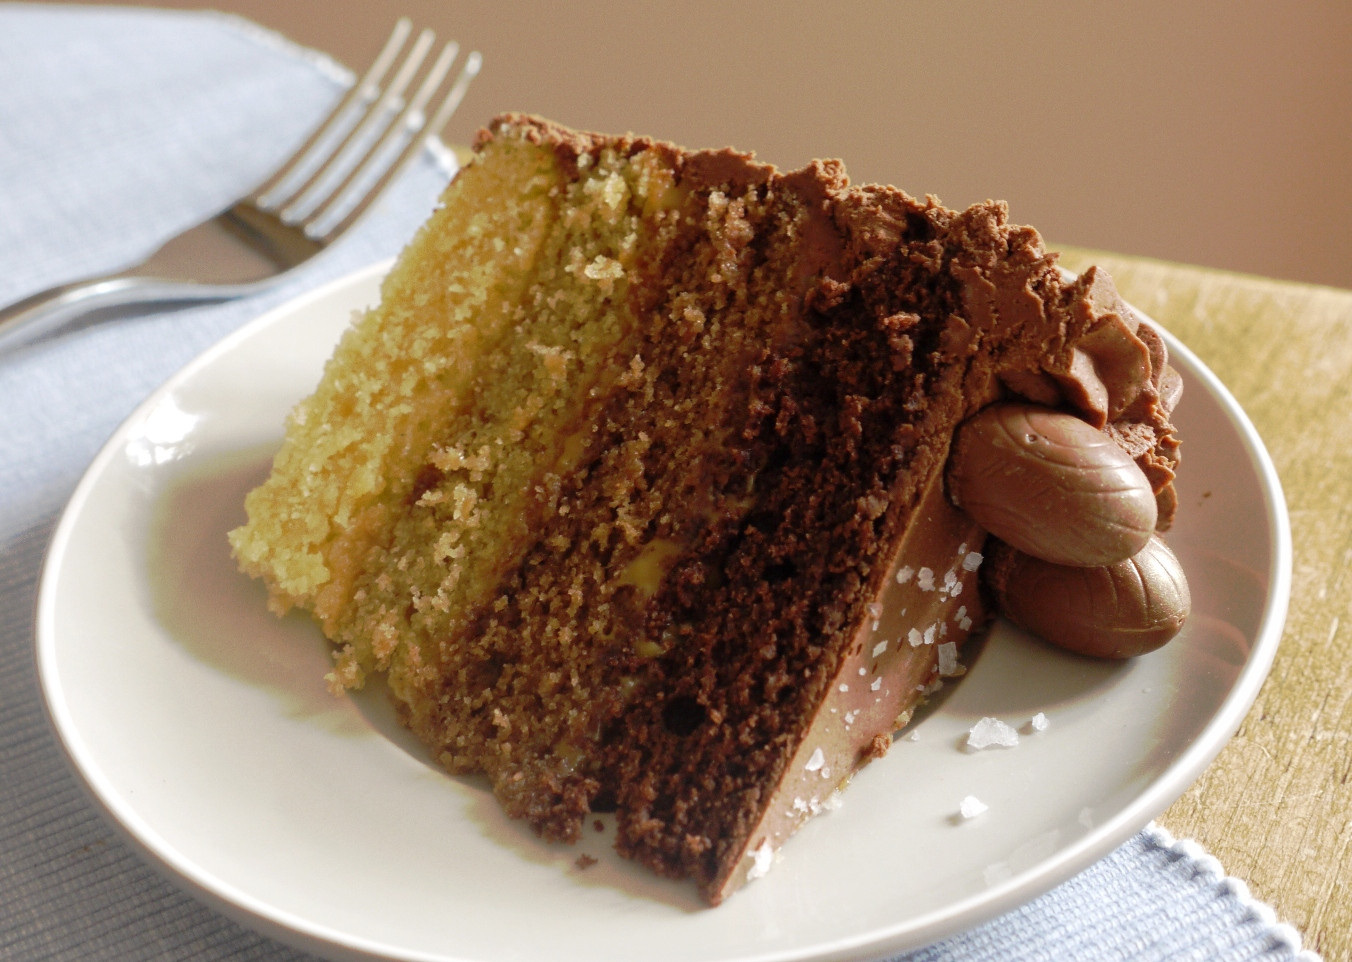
{"x": 359, "y": 90}
{"x": 316, "y": 188}
{"x": 414, "y": 123}
{"x": 412, "y": 108}
{"x": 250, "y": 243}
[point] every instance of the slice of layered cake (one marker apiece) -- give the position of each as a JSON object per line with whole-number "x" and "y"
{"x": 632, "y": 486}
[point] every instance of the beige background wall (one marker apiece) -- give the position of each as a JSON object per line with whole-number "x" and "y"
{"x": 1217, "y": 133}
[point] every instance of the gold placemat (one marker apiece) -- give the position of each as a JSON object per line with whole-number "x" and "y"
{"x": 1276, "y": 805}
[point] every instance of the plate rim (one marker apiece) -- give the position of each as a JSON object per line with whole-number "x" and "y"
{"x": 306, "y": 934}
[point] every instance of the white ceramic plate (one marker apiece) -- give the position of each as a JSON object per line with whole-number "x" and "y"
{"x": 203, "y": 727}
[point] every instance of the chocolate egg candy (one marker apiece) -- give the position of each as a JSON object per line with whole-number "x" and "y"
{"x": 1051, "y": 485}
{"x": 1113, "y": 611}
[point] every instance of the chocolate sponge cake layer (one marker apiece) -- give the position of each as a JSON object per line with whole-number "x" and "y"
{"x": 619, "y": 482}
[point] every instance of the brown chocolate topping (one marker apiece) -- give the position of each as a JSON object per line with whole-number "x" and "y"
{"x": 1110, "y": 366}
{"x": 1116, "y": 376}
{"x": 1115, "y": 611}
{"x": 1051, "y": 485}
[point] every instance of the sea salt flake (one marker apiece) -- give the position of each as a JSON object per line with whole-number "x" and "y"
{"x": 915, "y": 638}
{"x": 816, "y": 806}
{"x": 877, "y": 683}
{"x": 948, "y": 660}
{"x": 761, "y": 860}
{"x": 875, "y": 610}
{"x": 816, "y": 760}
{"x": 924, "y": 579}
{"x": 844, "y": 687}
{"x": 904, "y": 574}
{"x": 929, "y": 635}
{"x": 879, "y": 648}
{"x": 972, "y": 560}
{"x": 971, "y": 807}
{"x": 1038, "y": 723}
{"x": 991, "y": 732}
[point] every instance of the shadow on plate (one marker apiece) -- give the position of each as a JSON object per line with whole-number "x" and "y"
{"x": 220, "y": 616}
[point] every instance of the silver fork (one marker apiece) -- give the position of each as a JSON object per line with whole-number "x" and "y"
{"x": 306, "y": 205}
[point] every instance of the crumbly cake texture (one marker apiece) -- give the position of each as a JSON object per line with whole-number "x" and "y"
{"x": 631, "y": 485}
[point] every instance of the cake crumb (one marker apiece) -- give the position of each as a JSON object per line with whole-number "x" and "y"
{"x": 879, "y": 746}
{"x": 584, "y": 862}
{"x": 991, "y": 732}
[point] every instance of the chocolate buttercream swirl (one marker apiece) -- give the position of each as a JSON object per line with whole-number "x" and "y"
{"x": 1116, "y": 376}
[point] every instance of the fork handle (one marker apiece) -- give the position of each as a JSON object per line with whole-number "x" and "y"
{"x": 52, "y": 310}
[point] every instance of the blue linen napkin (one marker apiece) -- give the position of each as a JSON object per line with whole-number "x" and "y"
{"x": 118, "y": 127}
